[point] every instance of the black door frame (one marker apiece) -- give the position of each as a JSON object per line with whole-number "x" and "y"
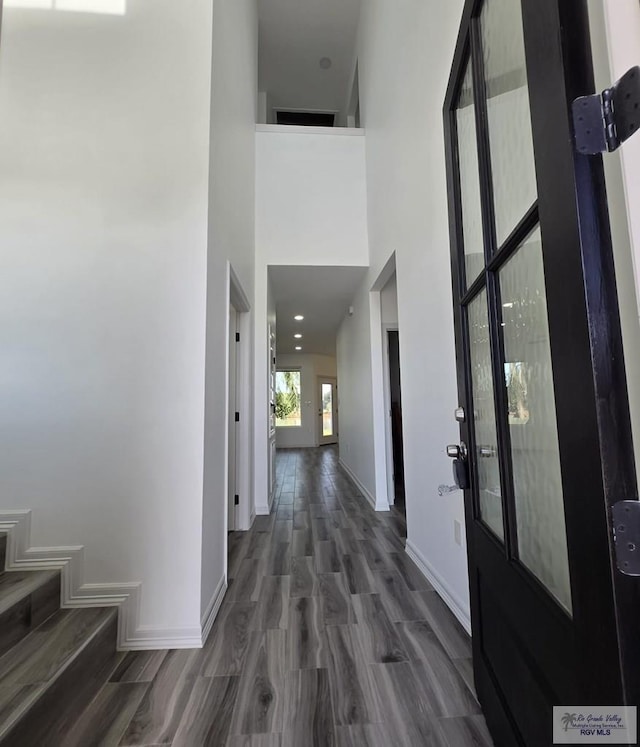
{"x": 580, "y": 278}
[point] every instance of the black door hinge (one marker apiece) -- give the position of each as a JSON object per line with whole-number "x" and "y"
{"x": 626, "y": 536}
{"x": 237, "y": 336}
{"x": 237, "y": 417}
{"x": 603, "y": 121}
{"x": 236, "y": 501}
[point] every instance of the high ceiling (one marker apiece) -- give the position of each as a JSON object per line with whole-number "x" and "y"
{"x": 294, "y": 36}
{"x": 322, "y": 295}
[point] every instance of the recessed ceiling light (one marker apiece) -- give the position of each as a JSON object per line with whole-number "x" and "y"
{"x": 325, "y": 63}
{"x": 298, "y": 347}
{"x": 298, "y": 318}
{"x": 298, "y": 337}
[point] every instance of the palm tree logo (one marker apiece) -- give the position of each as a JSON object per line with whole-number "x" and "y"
{"x": 568, "y": 720}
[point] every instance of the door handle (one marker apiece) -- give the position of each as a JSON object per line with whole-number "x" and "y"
{"x": 488, "y": 452}
{"x": 457, "y": 451}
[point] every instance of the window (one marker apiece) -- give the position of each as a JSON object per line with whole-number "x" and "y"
{"x": 288, "y": 413}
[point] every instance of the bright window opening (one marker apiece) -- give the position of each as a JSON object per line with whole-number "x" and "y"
{"x": 288, "y": 413}
{"x": 327, "y": 410}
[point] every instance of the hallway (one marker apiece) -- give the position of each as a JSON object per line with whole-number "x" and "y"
{"x": 328, "y": 635}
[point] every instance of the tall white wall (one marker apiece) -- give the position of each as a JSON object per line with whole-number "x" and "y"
{"x": 389, "y": 302}
{"x": 231, "y": 238}
{"x": 615, "y": 32}
{"x": 402, "y": 88}
{"x": 311, "y": 367}
{"x": 104, "y": 168}
{"x": 311, "y": 209}
{"x": 355, "y": 393}
{"x": 311, "y": 201}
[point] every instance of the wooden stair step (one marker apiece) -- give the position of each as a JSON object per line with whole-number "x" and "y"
{"x": 27, "y": 599}
{"x": 51, "y": 675}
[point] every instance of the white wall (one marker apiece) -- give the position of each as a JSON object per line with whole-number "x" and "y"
{"x": 311, "y": 206}
{"x": 311, "y": 209}
{"x": 402, "y": 87}
{"x": 615, "y": 33}
{"x": 231, "y": 238}
{"x": 389, "y": 302}
{"x": 355, "y": 396}
{"x": 311, "y": 367}
{"x": 104, "y": 154}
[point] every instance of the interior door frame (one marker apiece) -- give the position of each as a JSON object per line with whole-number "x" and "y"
{"x": 233, "y": 442}
{"x": 245, "y": 510}
{"x": 560, "y": 69}
{"x": 322, "y": 440}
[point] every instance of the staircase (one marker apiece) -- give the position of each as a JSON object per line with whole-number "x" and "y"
{"x": 52, "y": 661}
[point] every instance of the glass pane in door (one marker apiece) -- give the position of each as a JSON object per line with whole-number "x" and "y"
{"x": 469, "y": 180}
{"x": 542, "y": 541}
{"x": 327, "y": 410}
{"x": 510, "y": 139}
{"x": 485, "y": 415}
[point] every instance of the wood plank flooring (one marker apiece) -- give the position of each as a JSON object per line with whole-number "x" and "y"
{"x": 329, "y": 635}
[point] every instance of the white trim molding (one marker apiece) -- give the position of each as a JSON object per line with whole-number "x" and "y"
{"x": 304, "y": 130}
{"x": 74, "y": 592}
{"x": 381, "y": 506}
{"x": 459, "y": 608}
{"x": 212, "y": 610}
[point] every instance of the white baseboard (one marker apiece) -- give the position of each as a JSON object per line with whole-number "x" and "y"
{"x": 212, "y": 610}
{"x": 153, "y": 639}
{"x": 264, "y": 509}
{"x": 149, "y": 638}
{"x": 354, "y": 478}
{"x": 74, "y": 592}
{"x": 453, "y": 602}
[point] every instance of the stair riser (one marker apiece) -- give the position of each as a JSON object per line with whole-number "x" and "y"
{"x": 28, "y": 613}
{"x": 51, "y": 717}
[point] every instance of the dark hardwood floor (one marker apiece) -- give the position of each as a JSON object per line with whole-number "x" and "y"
{"x": 328, "y": 635}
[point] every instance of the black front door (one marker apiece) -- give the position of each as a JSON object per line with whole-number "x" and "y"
{"x": 545, "y": 432}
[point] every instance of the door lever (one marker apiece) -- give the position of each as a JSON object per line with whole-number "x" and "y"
{"x": 455, "y": 451}
{"x": 460, "y": 469}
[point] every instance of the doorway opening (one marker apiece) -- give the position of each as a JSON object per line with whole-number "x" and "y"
{"x": 395, "y": 417}
{"x": 390, "y": 354}
{"x": 240, "y": 509}
{"x": 327, "y": 411}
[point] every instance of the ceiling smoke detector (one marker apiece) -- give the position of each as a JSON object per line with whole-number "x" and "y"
{"x": 325, "y": 63}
